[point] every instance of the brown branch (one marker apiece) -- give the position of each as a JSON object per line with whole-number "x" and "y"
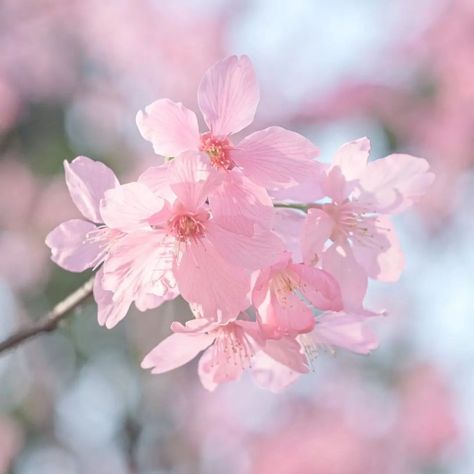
{"x": 49, "y": 322}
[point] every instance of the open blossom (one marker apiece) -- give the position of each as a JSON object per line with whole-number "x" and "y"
{"x": 362, "y": 241}
{"x": 181, "y": 234}
{"x": 230, "y": 348}
{"x": 339, "y": 329}
{"x": 77, "y": 244}
{"x": 286, "y": 294}
{"x": 228, "y": 96}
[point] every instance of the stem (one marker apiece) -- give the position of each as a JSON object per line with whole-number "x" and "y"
{"x": 298, "y": 207}
{"x": 49, "y": 322}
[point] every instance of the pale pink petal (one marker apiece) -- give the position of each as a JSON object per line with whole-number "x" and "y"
{"x": 394, "y": 183}
{"x": 228, "y": 95}
{"x": 195, "y": 326}
{"x": 70, "y": 248}
{"x": 383, "y": 258}
{"x": 216, "y": 368}
{"x": 206, "y": 279}
{"x": 317, "y": 286}
{"x": 146, "y": 301}
{"x": 280, "y": 316}
{"x": 288, "y": 225}
{"x": 192, "y": 178}
{"x": 309, "y": 189}
{"x": 207, "y": 370}
{"x": 109, "y": 312}
{"x": 260, "y": 250}
{"x": 276, "y": 158}
{"x": 170, "y": 127}
{"x": 87, "y": 181}
{"x": 318, "y": 227}
{"x": 270, "y": 374}
{"x": 157, "y": 179}
{"x": 286, "y": 351}
{"x": 175, "y": 351}
{"x": 130, "y": 206}
{"x": 335, "y": 186}
{"x": 237, "y": 204}
{"x": 352, "y": 158}
{"x": 348, "y": 331}
{"x": 339, "y": 261}
{"x": 140, "y": 265}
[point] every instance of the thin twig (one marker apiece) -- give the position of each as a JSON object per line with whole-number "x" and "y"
{"x": 298, "y": 207}
{"x": 50, "y": 321}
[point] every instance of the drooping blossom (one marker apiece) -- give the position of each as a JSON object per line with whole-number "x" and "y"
{"x": 286, "y": 294}
{"x": 339, "y": 330}
{"x": 362, "y": 241}
{"x": 274, "y": 158}
{"x": 230, "y": 348}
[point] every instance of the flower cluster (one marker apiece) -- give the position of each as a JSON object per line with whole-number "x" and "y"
{"x": 269, "y": 279}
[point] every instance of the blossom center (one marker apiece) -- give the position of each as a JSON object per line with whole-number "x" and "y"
{"x": 283, "y": 284}
{"x": 232, "y": 347}
{"x": 359, "y": 225}
{"x": 186, "y": 227}
{"x": 218, "y": 151}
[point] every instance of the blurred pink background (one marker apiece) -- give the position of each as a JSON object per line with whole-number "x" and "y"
{"x": 72, "y": 76}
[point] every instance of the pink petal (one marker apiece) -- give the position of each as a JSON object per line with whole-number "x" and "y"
{"x": 228, "y": 95}
{"x": 352, "y": 158}
{"x": 394, "y": 183}
{"x": 70, "y": 248}
{"x": 339, "y": 261}
{"x": 170, "y": 127}
{"x": 87, "y": 181}
{"x": 317, "y": 286}
{"x": 254, "y": 252}
{"x": 317, "y": 229}
{"x": 109, "y": 312}
{"x": 348, "y": 331}
{"x": 270, "y": 374}
{"x": 195, "y": 326}
{"x": 157, "y": 180}
{"x": 286, "y": 316}
{"x": 382, "y": 260}
{"x": 175, "y": 351}
{"x": 237, "y": 204}
{"x": 287, "y": 351}
{"x": 276, "y": 158}
{"x": 288, "y": 225}
{"x": 192, "y": 179}
{"x": 206, "y": 279}
{"x": 130, "y": 206}
{"x": 146, "y": 301}
{"x": 309, "y": 189}
{"x": 140, "y": 265}
{"x": 206, "y": 371}
{"x": 216, "y": 368}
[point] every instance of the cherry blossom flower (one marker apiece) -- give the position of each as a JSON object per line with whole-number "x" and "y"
{"x": 182, "y": 235}
{"x": 228, "y": 96}
{"x": 362, "y": 240}
{"x": 339, "y": 329}
{"x": 286, "y": 294}
{"x": 230, "y": 348}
